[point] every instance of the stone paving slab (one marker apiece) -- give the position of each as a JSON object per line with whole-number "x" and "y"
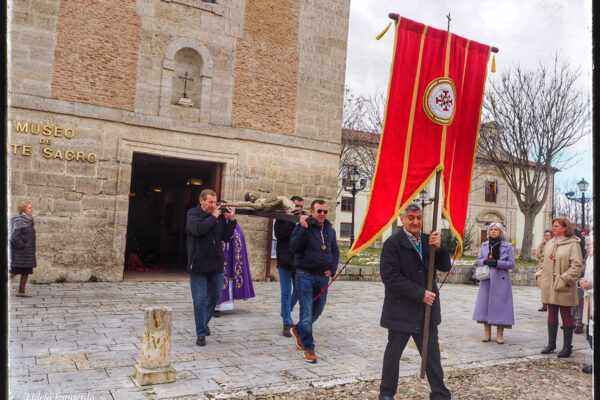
{"x": 84, "y": 339}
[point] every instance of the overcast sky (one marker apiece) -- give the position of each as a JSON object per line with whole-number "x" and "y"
{"x": 525, "y": 31}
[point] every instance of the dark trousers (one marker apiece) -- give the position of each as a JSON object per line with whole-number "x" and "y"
{"x": 391, "y": 363}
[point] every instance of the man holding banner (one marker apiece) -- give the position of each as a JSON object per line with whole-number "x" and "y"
{"x": 431, "y": 128}
{"x": 404, "y": 264}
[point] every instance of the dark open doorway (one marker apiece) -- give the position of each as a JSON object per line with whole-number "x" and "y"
{"x": 162, "y": 191}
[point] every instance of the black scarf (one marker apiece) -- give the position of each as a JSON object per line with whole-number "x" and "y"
{"x": 495, "y": 247}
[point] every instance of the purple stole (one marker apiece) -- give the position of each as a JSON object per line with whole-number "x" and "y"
{"x": 236, "y": 268}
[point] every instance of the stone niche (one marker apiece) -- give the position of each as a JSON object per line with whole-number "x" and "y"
{"x": 183, "y": 56}
{"x": 187, "y": 61}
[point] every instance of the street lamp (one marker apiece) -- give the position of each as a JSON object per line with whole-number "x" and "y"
{"x": 351, "y": 187}
{"x": 582, "y": 185}
{"x": 423, "y": 196}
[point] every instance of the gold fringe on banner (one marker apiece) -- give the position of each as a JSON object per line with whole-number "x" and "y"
{"x": 384, "y": 31}
{"x": 494, "y": 63}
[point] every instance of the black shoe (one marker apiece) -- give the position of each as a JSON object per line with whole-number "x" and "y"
{"x": 216, "y": 313}
{"x": 385, "y": 397}
{"x": 567, "y": 342}
{"x": 201, "y": 341}
{"x": 578, "y": 329}
{"x": 587, "y": 370}
{"x": 552, "y": 331}
{"x": 207, "y": 331}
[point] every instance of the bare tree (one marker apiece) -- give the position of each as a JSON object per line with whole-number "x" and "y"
{"x": 531, "y": 117}
{"x": 563, "y": 207}
{"x": 362, "y": 123}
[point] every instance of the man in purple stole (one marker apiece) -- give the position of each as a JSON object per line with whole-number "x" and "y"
{"x": 238, "y": 280}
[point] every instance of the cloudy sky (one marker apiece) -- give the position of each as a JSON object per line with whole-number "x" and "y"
{"x": 525, "y": 31}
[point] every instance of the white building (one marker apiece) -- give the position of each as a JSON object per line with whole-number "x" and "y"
{"x": 490, "y": 201}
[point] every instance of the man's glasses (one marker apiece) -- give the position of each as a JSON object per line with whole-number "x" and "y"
{"x": 322, "y": 212}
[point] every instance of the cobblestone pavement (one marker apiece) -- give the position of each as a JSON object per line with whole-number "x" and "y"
{"x": 84, "y": 339}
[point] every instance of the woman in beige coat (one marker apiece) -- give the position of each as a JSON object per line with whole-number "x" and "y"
{"x": 557, "y": 274}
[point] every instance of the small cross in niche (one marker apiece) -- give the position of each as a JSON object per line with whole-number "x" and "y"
{"x": 185, "y": 79}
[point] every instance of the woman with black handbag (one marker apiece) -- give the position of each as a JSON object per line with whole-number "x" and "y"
{"x": 494, "y": 305}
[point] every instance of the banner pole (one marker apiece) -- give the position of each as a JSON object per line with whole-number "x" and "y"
{"x": 430, "y": 276}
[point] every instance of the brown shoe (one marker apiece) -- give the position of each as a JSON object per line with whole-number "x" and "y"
{"x": 297, "y": 338}
{"x": 579, "y": 329}
{"x": 310, "y": 356}
{"x": 286, "y": 330}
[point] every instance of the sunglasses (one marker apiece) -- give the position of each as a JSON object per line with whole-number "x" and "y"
{"x": 322, "y": 212}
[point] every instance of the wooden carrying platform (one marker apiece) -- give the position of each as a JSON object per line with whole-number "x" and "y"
{"x": 281, "y": 215}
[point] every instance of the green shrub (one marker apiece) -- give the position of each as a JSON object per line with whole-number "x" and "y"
{"x": 450, "y": 241}
{"x": 60, "y": 279}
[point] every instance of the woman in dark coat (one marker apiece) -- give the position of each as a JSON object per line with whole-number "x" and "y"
{"x": 22, "y": 246}
{"x": 494, "y": 304}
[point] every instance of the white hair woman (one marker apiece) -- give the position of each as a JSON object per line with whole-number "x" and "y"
{"x": 494, "y": 305}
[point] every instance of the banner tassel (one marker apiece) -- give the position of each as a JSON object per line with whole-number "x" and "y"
{"x": 494, "y": 63}
{"x": 384, "y": 32}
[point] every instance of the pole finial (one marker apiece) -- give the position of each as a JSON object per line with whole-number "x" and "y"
{"x": 449, "y": 19}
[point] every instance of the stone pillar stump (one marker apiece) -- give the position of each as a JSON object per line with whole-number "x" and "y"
{"x": 155, "y": 366}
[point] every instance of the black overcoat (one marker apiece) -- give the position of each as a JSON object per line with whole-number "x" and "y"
{"x": 204, "y": 236}
{"x": 404, "y": 276}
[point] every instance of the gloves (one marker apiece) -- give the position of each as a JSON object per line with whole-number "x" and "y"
{"x": 491, "y": 263}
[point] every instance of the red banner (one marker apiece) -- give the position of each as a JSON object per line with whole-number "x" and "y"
{"x": 431, "y": 123}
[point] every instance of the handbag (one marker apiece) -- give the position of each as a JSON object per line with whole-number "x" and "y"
{"x": 482, "y": 273}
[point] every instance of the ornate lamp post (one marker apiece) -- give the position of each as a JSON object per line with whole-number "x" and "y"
{"x": 351, "y": 188}
{"x": 582, "y": 185}
{"x": 422, "y": 197}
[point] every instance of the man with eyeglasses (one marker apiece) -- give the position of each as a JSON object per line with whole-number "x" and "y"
{"x": 316, "y": 257}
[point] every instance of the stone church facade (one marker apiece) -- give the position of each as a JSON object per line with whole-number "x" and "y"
{"x": 103, "y": 142}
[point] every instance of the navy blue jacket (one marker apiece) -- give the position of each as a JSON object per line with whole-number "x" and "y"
{"x": 204, "y": 236}
{"x": 306, "y": 245}
{"x": 404, "y": 276}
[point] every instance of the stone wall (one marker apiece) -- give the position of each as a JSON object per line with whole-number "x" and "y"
{"x": 520, "y": 276}
{"x": 74, "y": 160}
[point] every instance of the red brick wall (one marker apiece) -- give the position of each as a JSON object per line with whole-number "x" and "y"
{"x": 266, "y": 67}
{"x": 97, "y": 52}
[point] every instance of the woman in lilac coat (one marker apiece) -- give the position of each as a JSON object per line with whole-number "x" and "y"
{"x": 494, "y": 304}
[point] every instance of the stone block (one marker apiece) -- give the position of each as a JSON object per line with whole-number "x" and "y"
{"x": 73, "y": 196}
{"x": 97, "y": 203}
{"x": 66, "y": 206}
{"x": 153, "y": 376}
{"x": 62, "y": 181}
{"x": 34, "y": 178}
{"x": 44, "y": 191}
{"x": 88, "y": 185}
{"x": 18, "y": 190}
